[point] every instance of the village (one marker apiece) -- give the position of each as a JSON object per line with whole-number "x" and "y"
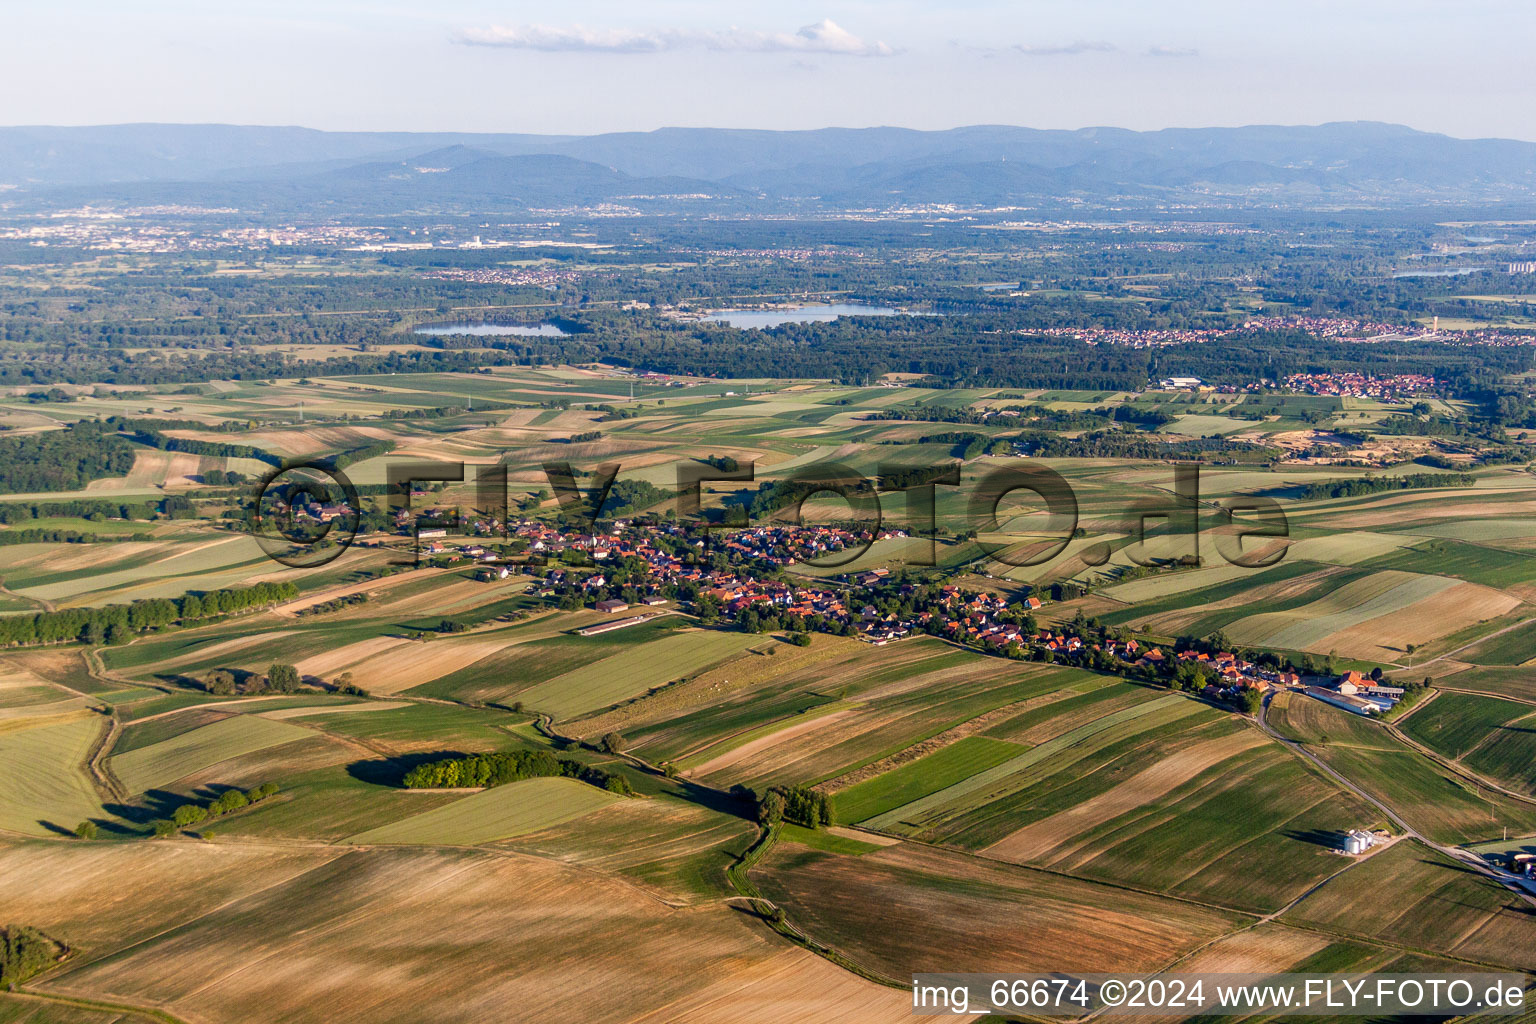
{"x": 739, "y": 577}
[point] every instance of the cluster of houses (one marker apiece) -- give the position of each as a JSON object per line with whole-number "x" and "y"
{"x": 1361, "y": 385}
{"x": 983, "y": 620}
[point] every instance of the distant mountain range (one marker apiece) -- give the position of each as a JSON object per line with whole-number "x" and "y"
{"x": 1358, "y": 163}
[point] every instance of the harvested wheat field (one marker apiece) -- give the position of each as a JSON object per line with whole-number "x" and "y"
{"x": 396, "y": 667}
{"x": 915, "y": 908}
{"x": 1310, "y": 626}
{"x": 813, "y": 721}
{"x": 419, "y": 937}
{"x": 153, "y": 468}
{"x": 1386, "y": 637}
{"x": 330, "y": 662}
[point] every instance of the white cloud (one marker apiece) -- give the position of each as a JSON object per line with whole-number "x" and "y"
{"x": 1067, "y": 49}
{"x": 825, "y": 37}
{"x": 1172, "y": 51}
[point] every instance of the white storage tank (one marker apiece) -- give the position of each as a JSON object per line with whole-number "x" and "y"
{"x": 1354, "y": 844}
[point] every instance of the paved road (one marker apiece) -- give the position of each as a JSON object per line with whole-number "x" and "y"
{"x": 1462, "y": 856}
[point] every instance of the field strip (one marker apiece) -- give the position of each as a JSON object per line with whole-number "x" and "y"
{"x": 809, "y": 721}
{"x": 1035, "y": 840}
{"x": 338, "y": 658}
{"x": 292, "y": 608}
{"x": 236, "y": 704}
{"x": 238, "y": 643}
{"x": 335, "y": 709}
{"x": 1160, "y": 585}
{"x": 180, "y": 756}
{"x": 1030, "y": 757}
{"x": 15, "y": 722}
{"x": 499, "y": 813}
{"x": 1377, "y": 595}
{"x": 414, "y": 662}
{"x": 119, "y": 1010}
{"x": 41, "y": 764}
{"x": 859, "y": 835}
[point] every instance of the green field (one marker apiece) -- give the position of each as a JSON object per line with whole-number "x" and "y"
{"x": 955, "y": 800}
{"x": 633, "y": 672}
{"x": 1434, "y": 904}
{"x": 1439, "y": 803}
{"x": 498, "y": 813}
{"x": 1456, "y": 723}
{"x": 179, "y": 756}
{"x": 1515, "y": 647}
{"x": 1495, "y": 738}
{"x": 1492, "y": 567}
{"x": 44, "y": 779}
{"x": 926, "y": 775}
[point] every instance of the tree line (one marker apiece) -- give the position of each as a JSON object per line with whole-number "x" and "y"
{"x": 115, "y": 623}
{"x": 485, "y": 770}
{"x": 1378, "y": 484}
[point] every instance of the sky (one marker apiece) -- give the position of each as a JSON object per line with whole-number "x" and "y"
{"x": 586, "y": 66}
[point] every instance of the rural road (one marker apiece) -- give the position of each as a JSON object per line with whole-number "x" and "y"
{"x": 1461, "y": 856}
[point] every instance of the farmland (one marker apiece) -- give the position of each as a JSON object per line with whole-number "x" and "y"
{"x": 498, "y": 813}
{"x": 1014, "y": 803}
{"x": 1444, "y": 805}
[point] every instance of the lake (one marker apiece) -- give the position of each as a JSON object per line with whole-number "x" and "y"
{"x": 1445, "y": 272}
{"x": 481, "y": 327}
{"x": 749, "y": 318}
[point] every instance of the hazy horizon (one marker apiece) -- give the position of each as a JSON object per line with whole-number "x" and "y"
{"x": 590, "y": 67}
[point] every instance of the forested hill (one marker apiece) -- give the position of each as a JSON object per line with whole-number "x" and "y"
{"x": 837, "y": 166}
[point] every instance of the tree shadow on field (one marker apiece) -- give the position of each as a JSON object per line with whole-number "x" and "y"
{"x": 740, "y": 803}
{"x": 391, "y": 771}
{"x": 152, "y": 806}
{"x": 180, "y": 681}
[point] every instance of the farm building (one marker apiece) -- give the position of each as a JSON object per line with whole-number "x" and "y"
{"x": 613, "y": 604}
{"x": 1347, "y": 701}
{"x": 1357, "y": 841}
{"x": 608, "y": 627}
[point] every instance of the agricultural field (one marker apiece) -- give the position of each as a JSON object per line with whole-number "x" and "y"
{"x": 161, "y": 764}
{"x": 988, "y": 808}
{"x": 1437, "y": 905}
{"x": 479, "y": 909}
{"x": 933, "y": 907}
{"x": 499, "y": 813}
{"x": 1492, "y": 736}
{"x": 1446, "y": 806}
